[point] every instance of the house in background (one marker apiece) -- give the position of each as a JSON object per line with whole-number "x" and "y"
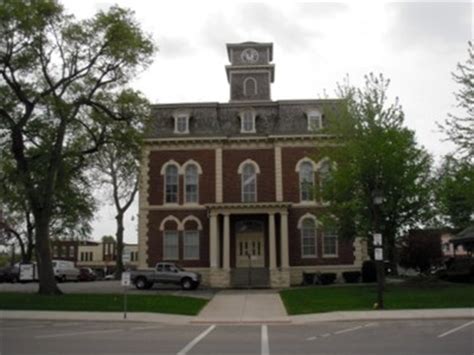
{"x": 228, "y": 187}
{"x": 99, "y": 256}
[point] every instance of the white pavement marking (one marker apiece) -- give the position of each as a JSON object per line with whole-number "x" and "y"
{"x": 325, "y": 335}
{"x": 455, "y": 329}
{"x": 77, "y": 333}
{"x": 311, "y": 338}
{"x": 146, "y": 328}
{"x": 265, "y": 346}
{"x": 196, "y": 340}
{"x": 348, "y": 330}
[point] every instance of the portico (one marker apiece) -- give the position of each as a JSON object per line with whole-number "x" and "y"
{"x": 257, "y": 232}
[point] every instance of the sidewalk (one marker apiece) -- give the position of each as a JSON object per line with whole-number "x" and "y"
{"x": 244, "y": 306}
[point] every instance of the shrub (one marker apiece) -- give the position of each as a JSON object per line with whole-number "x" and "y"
{"x": 369, "y": 271}
{"x": 351, "y": 277}
{"x": 327, "y": 278}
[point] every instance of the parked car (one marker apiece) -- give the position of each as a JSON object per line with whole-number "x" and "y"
{"x": 457, "y": 269}
{"x": 65, "y": 270}
{"x": 87, "y": 274}
{"x": 165, "y": 273}
{"x": 10, "y": 274}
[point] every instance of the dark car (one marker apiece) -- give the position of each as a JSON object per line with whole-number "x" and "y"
{"x": 87, "y": 274}
{"x": 10, "y": 274}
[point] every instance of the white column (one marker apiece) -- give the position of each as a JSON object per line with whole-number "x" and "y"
{"x": 213, "y": 242}
{"x": 284, "y": 240}
{"x": 272, "y": 243}
{"x": 226, "y": 243}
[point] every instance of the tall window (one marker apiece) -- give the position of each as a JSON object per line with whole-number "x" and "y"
{"x": 324, "y": 173}
{"x": 170, "y": 245}
{"x": 249, "y": 183}
{"x": 306, "y": 182}
{"x": 308, "y": 238}
{"x": 248, "y": 122}
{"x": 191, "y": 182}
{"x": 330, "y": 242}
{"x": 191, "y": 245}
{"x": 171, "y": 184}
{"x": 314, "y": 121}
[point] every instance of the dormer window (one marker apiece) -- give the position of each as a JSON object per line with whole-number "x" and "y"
{"x": 181, "y": 124}
{"x": 247, "y": 120}
{"x": 315, "y": 121}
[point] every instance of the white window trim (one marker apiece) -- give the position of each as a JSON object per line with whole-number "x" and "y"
{"x": 177, "y": 237}
{"x": 240, "y": 172}
{"x": 337, "y": 246}
{"x": 298, "y": 170}
{"x": 314, "y": 113}
{"x": 183, "y": 172}
{"x": 171, "y": 218}
{"x": 176, "y": 117}
{"x": 300, "y": 227}
{"x": 163, "y": 173}
{"x": 242, "y": 130}
{"x": 198, "y": 246}
{"x": 192, "y": 218}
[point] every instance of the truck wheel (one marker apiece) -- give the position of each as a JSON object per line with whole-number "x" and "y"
{"x": 186, "y": 283}
{"x": 141, "y": 283}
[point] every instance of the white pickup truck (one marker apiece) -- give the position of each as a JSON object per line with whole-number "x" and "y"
{"x": 165, "y": 273}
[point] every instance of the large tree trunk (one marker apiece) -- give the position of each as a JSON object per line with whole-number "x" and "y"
{"x": 47, "y": 282}
{"x": 119, "y": 236}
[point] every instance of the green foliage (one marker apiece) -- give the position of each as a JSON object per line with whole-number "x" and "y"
{"x": 64, "y": 95}
{"x": 352, "y": 298}
{"x": 103, "y": 303}
{"x": 372, "y": 150}
{"x": 460, "y": 129}
{"x": 455, "y": 192}
{"x": 421, "y": 250}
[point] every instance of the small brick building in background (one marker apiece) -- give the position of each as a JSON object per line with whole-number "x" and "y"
{"x": 227, "y": 189}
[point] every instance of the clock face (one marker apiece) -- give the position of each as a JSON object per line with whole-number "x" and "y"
{"x": 249, "y": 55}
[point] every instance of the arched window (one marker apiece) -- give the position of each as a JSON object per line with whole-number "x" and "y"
{"x": 308, "y": 237}
{"x": 171, "y": 184}
{"x": 191, "y": 235}
{"x": 170, "y": 227}
{"x": 250, "y": 86}
{"x": 249, "y": 183}
{"x": 191, "y": 184}
{"x": 306, "y": 181}
{"x": 324, "y": 172}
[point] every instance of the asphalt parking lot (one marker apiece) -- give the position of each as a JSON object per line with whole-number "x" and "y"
{"x": 379, "y": 337}
{"x": 109, "y": 287}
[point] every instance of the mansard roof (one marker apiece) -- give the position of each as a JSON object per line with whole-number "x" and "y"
{"x": 213, "y": 119}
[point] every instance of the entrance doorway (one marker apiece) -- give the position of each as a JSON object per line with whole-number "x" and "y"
{"x": 250, "y": 246}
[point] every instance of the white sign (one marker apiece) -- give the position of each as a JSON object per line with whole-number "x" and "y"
{"x": 126, "y": 256}
{"x": 378, "y": 239}
{"x": 126, "y": 279}
{"x": 28, "y": 272}
{"x": 378, "y": 254}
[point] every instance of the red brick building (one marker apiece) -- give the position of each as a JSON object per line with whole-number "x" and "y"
{"x": 228, "y": 188}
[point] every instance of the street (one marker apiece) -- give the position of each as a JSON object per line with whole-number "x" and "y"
{"x": 361, "y": 337}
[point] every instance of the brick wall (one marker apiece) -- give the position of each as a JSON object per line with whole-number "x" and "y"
{"x": 205, "y": 158}
{"x": 155, "y": 236}
{"x": 345, "y": 247}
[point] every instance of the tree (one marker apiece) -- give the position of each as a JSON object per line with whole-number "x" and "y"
{"x": 421, "y": 250}
{"x": 62, "y": 91}
{"x": 460, "y": 129}
{"x": 373, "y": 151}
{"x": 455, "y": 192}
{"x": 118, "y": 166}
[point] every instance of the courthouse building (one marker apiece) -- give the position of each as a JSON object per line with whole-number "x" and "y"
{"x": 227, "y": 189}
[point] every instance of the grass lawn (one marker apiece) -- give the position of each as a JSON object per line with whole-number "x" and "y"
{"x": 102, "y": 303}
{"x": 352, "y": 298}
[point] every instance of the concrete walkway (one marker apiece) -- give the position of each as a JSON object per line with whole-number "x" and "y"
{"x": 244, "y": 306}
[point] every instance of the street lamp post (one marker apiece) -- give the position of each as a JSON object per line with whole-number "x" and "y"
{"x": 378, "y": 248}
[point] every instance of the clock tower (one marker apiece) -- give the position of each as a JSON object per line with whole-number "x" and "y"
{"x": 250, "y": 72}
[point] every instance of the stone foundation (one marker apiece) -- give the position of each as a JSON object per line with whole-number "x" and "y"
{"x": 296, "y": 272}
{"x": 219, "y": 278}
{"x": 279, "y": 278}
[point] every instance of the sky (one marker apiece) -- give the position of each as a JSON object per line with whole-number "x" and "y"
{"x": 315, "y": 45}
